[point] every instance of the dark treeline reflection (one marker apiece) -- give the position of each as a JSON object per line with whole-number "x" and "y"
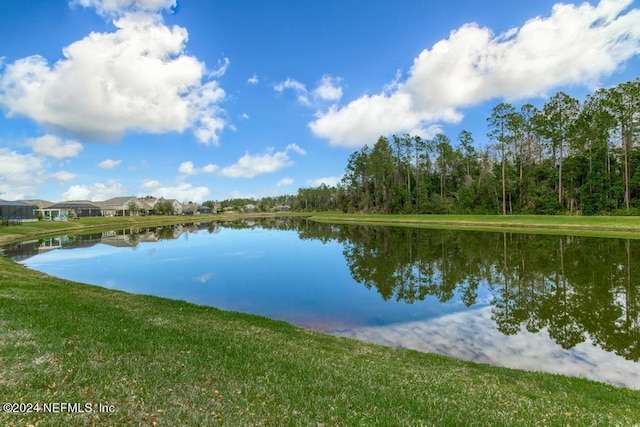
{"x": 575, "y": 287}
{"x": 578, "y": 288}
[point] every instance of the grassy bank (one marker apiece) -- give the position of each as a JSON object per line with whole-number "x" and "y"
{"x": 162, "y": 362}
{"x": 624, "y": 227}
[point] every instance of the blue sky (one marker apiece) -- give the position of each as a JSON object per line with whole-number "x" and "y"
{"x": 208, "y": 100}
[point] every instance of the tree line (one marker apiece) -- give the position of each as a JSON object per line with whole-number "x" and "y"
{"x": 567, "y": 156}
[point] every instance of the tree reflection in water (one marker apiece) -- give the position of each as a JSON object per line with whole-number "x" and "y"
{"x": 577, "y": 288}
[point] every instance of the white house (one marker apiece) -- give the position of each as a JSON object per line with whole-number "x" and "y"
{"x": 122, "y": 206}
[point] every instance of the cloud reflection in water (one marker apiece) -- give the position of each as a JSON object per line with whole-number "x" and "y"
{"x": 472, "y": 335}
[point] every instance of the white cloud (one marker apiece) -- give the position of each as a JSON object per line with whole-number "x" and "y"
{"x": 364, "y": 120}
{"x": 188, "y": 168}
{"x": 299, "y": 88}
{"x": 328, "y": 89}
{"x": 20, "y": 174}
{"x": 290, "y": 84}
{"x": 95, "y": 192}
{"x": 137, "y": 78}
{"x": 182, "y": 192}
{"x": 575, "y": 45}
{"x": 109, "y": 164}
{"x": 64, "y": 176}
{"x": 330, "y": 181}
{"x": 223, "y": 64}
{"x": 296, "y": 148}
{"x": 210, "y": 168}
{"x": 53, "y": 146}
{"x": 253, "y": 80}
{"x": 118, "y": 7}
{"x": 249, "y": 166}
{"x": 150, "y": 184}
{"x": 284, "y": 181}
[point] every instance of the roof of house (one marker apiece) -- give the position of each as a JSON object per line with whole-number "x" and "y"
{"x": 15, "y": 203}
{"x": 116, "y": 201}
{"x": 75, "y": 204}
{"x": 41, "y": 204}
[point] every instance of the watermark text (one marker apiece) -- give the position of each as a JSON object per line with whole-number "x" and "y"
{"x": 57, "y": 407}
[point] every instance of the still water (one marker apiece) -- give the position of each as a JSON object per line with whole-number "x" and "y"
{"x": 562, "y": 304}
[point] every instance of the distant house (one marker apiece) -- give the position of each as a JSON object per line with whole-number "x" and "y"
{"x": 281, "y": 208}
{"x": 189, "y": 209}
{"x": 163, "y": 206}
{"x": 72, "y": 209}
{"x": 250, "y": 208}
{"x": 228, "y": 209}
{"x": 194, "y": 208}
{"x": 178, "y": 208}
{"x": 204, "y": 210}
{"x": 124, "y": 206}
{"x": 18, "y": 211}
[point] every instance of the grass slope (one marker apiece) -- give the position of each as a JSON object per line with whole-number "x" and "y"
{"x": 163, "y": 362}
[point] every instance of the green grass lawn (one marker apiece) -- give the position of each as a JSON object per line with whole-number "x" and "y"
{"x": 163, "y": 362}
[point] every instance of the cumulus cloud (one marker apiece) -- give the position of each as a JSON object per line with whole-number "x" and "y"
{"x": 284, "y": 182}
{"x": 150, "y": 184}
{"x": 95, "y": 192}
{"x": 327, "y": 90}
{"x": 109, "y": 164}
{"x": 64, "y": 176}
{"x": 188, "y": 168}
{"x": 575, "y": 45}
{"x": 363, "y": 120}
{"x": 20, "y": 174}
{"x": 138, "y": 78}
{"x": 182, "y": 192}
{"x": 249, "y": 166}
{"x": 210, "y": 168}
{"x": 54, "y": 146}
{"x": 253, "y": 80}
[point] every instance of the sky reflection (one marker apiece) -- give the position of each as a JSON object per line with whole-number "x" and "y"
{"x": 472, "y": 335}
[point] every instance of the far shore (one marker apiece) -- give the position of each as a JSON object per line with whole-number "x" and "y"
{"x": 596, "y": 226}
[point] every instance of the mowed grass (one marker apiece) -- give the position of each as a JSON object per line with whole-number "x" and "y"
{"x": 164, "y": 362}
{"x": 597, "y": 226}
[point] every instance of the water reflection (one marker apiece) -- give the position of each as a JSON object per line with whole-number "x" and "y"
{"x": 564, "y": 304}
{"x": 577, "y": 288}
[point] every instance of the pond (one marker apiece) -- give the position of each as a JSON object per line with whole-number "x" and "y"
{"x": 562, "y": 304}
